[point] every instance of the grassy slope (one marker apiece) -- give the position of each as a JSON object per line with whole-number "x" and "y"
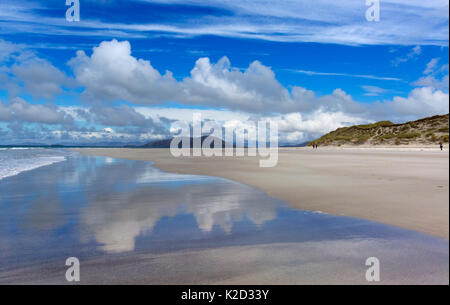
{"x": 431, "y": 130}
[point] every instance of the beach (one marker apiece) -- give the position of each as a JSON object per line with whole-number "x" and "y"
{"x": 407, "y": 188}
{"x": 128, "y": 222}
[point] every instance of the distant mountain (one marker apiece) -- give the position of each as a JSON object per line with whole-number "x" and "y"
{"x": 166, "y": 143}
{"x": 295, "y": 145}
{"x": 430, "y": 130}
{"x": 69, "y": 145}
{"x": 37, "y": 145}
{"x": 154, "y": 144}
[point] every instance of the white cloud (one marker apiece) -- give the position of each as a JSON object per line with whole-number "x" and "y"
{"x": 404, "y": 22}
{"x": 435, "y": 76}
{"x": 347, "y": 75}
{"x": 185, "y": 114}
{"x": 431, "y": 66}
{"x": 221, "y": 85}
{"x": 112, "y": 73}
{"x": 433, "y": 82}
{"x": 122, "y": 115}
{"x": 412, "y": 54}
{"x": 420, "y": 102}
{"x": 22, "y": 71}
{"x": 294, "y": 127}
{"x": 40, "y": 78}
{"x": 298, "y": 127}
{"x": 19, "y": 109}
{"x": 373, "y": 90}
{"x": 5, "y": 113}
{"x": 7, "y": 49}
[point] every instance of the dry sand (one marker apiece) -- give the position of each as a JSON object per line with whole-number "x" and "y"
{"x": 407, "y": 188}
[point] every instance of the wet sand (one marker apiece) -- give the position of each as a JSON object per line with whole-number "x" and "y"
{"x": 129, "y": 223}
{"x": 310, "y": 263}
{"x": 404, "y": 188}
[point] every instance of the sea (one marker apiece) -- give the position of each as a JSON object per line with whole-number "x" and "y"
{"x": 14, "y": 160}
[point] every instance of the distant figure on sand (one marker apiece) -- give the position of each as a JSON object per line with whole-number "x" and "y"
{"x": 441, "y": 146}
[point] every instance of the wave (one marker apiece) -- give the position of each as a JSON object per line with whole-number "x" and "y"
{"x": 14, "y": 162}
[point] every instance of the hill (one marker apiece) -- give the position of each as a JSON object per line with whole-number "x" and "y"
{"x": 166, "y": 143}
{"x": 426, "y": 131}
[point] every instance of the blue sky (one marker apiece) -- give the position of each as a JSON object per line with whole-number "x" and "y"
{"x": 312, "y": 66}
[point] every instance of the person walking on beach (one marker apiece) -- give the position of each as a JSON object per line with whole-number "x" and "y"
{"x": 441, "y": 146}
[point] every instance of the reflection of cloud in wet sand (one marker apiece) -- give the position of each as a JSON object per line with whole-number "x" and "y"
{"x": 120, "y": 202}
{"x": 116, "y": 218}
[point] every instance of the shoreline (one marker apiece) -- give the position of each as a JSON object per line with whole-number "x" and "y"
{"x": 400, "y": 187}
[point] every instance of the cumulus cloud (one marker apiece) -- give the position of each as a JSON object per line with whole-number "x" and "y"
{"x": 220, "y": 84}
{"x": 8, "y": 49}
{"x": 127, "y": 120}
{"x": 49, "y": 123}
{"x": 299, "y": 127}
{"x": 122, "y": 115}
{"x": 112, "y": 73}
{"x": 20, "y": 110}
{"x": 294, "y": 128}
{"x": 40, "y": 78}
{"x": 5, "y": 113}
{"x": 22, "y": 71}
{"x": 423, "y": 101}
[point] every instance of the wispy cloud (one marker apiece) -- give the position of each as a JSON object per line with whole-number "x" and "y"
{"x": 346, "y": 75}
{"x": 431, "y": 66}
{"x": 340, "y": 22}
{"x": 374, "y": 90}
{"x": 434, "y": 76}
{"x": 412, "y": 54}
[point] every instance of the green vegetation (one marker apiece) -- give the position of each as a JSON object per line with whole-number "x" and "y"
{"x": 342, "y": 138}
{"x": 378, "y": 124}
{"x": 362, "y": 139}
{"x": 387, "y": 136}
{"x": 425, "y": 131}
{"x": 408, "y": 135}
